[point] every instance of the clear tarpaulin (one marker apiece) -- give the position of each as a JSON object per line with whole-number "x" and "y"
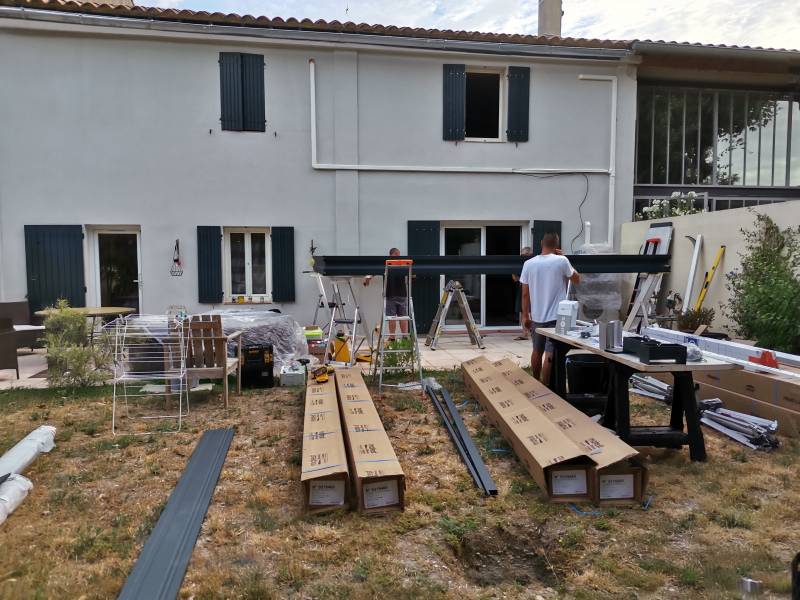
{"x": 264, "y": 327}
{"x": 598, "y": 293}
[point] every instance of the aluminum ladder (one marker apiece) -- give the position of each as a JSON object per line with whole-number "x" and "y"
{"x": 384, "y": 346}
{"x": 341, "y": 322}
{"x": 453, "y": 288}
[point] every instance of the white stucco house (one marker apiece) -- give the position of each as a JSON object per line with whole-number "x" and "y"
{"x": 156, "y": 157}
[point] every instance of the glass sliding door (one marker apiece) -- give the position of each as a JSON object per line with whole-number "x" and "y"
{"x": 501, "y": 290}
{"x": 464, "y": 241}
{"x": 491, "y": 298}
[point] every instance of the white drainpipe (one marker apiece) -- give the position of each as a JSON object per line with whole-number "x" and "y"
{"x": 612, "y": 150}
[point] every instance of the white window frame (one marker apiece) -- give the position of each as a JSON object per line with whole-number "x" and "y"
{"x": 502, "y": 73}
{"x": 248, "y": 297}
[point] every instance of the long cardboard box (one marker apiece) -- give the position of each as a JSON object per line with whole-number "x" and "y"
{"x": 788, "y": 420}
{"x": 377, "y": 478}
{"x": 324, "y": 475}
{"x": 544, "y": 443}
{"x": 609, "y": 453}
{"x": 764, "y": 387}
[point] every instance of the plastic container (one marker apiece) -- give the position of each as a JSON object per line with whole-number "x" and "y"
{"x": 587, "y": 374}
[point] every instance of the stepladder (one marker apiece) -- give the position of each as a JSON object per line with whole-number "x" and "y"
{"x": 453, "y": 289}
{"x": 344, "y": 340}
{"x": 397, "y": 349}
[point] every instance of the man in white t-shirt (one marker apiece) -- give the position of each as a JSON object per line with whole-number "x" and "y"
{"x": 544, "y": 284}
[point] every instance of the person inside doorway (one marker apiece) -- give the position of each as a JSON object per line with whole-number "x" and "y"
{"x": 396, "y": 296}
{"x": 525, "y": 253}
{"x": 544, "y": 281}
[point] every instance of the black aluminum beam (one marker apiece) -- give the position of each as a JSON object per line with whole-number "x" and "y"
{"x": 159, "y": 571}
{"x": 491, "y": 265}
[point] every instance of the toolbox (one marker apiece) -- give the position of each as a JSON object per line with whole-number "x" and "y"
{"x": 257, "y": 366}
{"x": 649, "y": 351}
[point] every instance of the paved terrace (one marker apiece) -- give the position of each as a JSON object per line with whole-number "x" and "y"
{"x": 454, "y": 348}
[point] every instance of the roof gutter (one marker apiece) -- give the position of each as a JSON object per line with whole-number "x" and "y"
{"x": 319, "y": 37}
{"x": 692, "y": 50}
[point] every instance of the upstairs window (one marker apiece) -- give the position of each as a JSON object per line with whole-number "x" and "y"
{"x": 241, "y": 78}
{"x": 474, "y": 100}
{"x": 482, "y": 114}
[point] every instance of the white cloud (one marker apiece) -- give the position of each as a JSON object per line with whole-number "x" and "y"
{"x": 769, "y": 23}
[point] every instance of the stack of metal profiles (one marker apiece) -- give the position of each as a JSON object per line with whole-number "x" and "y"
{"x": 644, "y": 385}
{"x": 159, "y": 571}
{"x": 754, "y": 432}
{"x": 460, "y": 436}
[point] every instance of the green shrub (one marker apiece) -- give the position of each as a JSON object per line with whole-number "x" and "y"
{"x": 765, "y": 288}
{"x": 72, "y": 362}
{"x": 692, "y": 319}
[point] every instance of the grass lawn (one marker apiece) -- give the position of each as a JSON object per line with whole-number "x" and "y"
{"x": 97, "y": 497}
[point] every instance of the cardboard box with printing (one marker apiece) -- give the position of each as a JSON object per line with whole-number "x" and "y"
{"x": 560, "y": 446}
{"x": 324, "y": 472}
{"x": 610, "y": 454}
{"x": 377, "y": 477}
{"x": 558, "y": 466}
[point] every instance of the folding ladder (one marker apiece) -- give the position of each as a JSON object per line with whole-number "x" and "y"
{"x": 453, "y": 288}
{"x": 384, "y": 349}
{"x": 644, "y": 291}
{"x": 343, "y": 326}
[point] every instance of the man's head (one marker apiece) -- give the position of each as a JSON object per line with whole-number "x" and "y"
{"x": 549, "y": 242}
{"x": 394, "y": 252}
{"x": 526, "y": 251}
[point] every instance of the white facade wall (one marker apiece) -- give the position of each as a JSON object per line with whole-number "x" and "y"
{"x": 109, "y": 130}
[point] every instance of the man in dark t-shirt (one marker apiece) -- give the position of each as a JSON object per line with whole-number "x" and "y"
{"x": 396, "y": 296}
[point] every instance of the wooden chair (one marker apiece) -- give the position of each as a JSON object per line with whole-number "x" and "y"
{"x": 207, "y": 352}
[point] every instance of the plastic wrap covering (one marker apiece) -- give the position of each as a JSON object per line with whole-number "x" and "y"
{"x": 16, "y": 460}
{"x": 12, "y": 492}
{"x": 598, "y": 293}
{"x": 263, "y": 327}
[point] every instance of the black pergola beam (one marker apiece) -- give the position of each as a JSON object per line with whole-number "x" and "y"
{"x": 490, "y": 265}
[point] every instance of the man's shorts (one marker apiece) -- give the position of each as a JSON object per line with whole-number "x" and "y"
{"x": 397, "y": 306}
{"x": 540, "y": 342}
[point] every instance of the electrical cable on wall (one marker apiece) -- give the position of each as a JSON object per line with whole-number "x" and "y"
{"x": 580, "y": 204}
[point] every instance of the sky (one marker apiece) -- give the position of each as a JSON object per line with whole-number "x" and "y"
{"x": 767, "y": 23}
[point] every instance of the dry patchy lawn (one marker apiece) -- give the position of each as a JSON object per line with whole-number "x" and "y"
{"x": 96, "y": 499}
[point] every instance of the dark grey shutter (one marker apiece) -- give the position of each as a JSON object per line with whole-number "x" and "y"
{"x": 230, "y": 85}
{"x": 253, "y": 92}
{"x": 54, "y": 265}
{"x": 540, "y": 228}
{"x": 283, "y": 264}
{"x": 423, "y": 240}
{"x": 455, "y": 101}
{"x": 209, "y": 264}
{"x": 519, "y": 86}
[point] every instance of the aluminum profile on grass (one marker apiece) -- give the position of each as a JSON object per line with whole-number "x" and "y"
{"x": 161, "y": 567}
{"x": 343, "y": 266}
{"x": 461, "y": 439}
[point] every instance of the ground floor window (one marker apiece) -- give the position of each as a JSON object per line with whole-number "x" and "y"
{"x": 247, "y": 256}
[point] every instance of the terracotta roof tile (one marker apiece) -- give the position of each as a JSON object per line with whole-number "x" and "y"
{"x": 125, "y": 9}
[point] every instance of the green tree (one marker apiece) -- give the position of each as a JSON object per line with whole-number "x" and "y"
{"x": 765, "y": 289}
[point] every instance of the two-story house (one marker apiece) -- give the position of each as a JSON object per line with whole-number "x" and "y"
{"x": 155, "y": 157}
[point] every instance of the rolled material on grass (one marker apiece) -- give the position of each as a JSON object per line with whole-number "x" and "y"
{"x": 12, "y": 492}
{"x": 16, "y": 460}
